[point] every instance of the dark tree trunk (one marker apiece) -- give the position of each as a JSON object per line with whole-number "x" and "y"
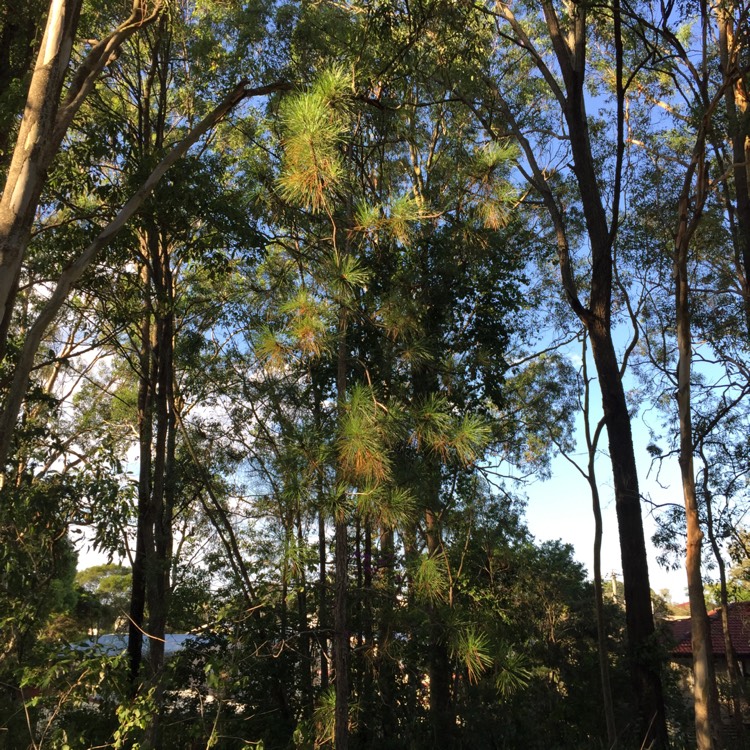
{"x": 341, "y": 572}
{"x": 571, "y": 55}
{"x": 304, "y": 626}
{"x": 601, "y": 627}
{"x": 322, "y": 583}
{"x": 638, "y": 614}
{"x": 322, "y": 602}
{"x": 384, "y": 663}
{"x": 164, "y": 479}
{"x": 569, "y": 42}
{"x": 341, "y": 636}
{"x": 368, "y": 696}
{"x": 739, "y": 699}
{"x": 442, "y": 718}
{"x": 144, "y": 538}
{"x": 592, "y": 443}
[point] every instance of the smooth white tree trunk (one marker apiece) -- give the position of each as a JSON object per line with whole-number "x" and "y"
{"x": 47, "y": 116}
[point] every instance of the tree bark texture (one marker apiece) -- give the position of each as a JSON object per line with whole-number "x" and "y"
{"x": 34, "y": 151}
{"x": 19, "y": 45}
{"x": 143, "y": 540}
{"x": 570, "y": 52}
{"x": 322, "y": 583}
{"x": 701, "y": 642}
{"x": 322, "y": 601}
{"x": 592, "y": 442}
{"x": 341, "y": 571}
{"x": 638, "y": 614}
{"x": 705, "y": 702}
{"x": 733, "y": 33}
{"x": 158, "y": 443}
{"x": 341, "y": 636}
{"x": 44, "y": 124}
{"x": 163, "y": 477}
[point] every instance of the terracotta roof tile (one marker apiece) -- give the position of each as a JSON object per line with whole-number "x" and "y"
{"x": 739, "y": 630}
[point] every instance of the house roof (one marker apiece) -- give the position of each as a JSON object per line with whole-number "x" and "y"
{"x": 739, "y": 631}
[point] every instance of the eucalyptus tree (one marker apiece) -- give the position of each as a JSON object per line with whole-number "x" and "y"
{"x": 358, "y": 343}
{"x": 146, "y": 115}
{"x": 43, "y": 130}
{"x": 730, "y": 34}
{"x": 187, "y": 230}
{"x": 583, "y": 179}
{"x": 44, "y": 124}
{"x": 19, "y": 39}
{"x": 685, "y": 133}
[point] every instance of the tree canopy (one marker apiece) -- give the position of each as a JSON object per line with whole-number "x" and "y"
{"x": 295, "y": 300}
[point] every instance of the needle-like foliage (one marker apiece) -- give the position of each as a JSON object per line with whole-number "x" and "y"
{"x": 315, "y": 124}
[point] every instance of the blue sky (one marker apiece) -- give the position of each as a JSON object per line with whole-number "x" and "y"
{"x": 560, "y": 508}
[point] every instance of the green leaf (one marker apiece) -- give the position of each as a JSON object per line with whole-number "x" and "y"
{"x": 361, "y": 448}
{"x": 431, "y": 579}
{"x": 472, "y": 652}
{"x": 315, "y": 124}
{"x": 514, "y": 671}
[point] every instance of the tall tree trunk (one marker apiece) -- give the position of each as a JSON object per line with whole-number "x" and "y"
{"x": 592, "y": 442}
{"x": 341, "y": 572}
{"x": 597, "y": 319}
{"x": 569, "y": 45}
{"x": 691, "y": 201}
{"x": 341, "y": 636}
{"x": 368, "y": 697}
{"x": 442, "y": 718}
{"x": 144, "y": 540}
{"x": 322, "y": 546}
{"x": 44, "y": 124}
{"x": 322, "y": 600}
{"x": 601, "y": 628}
{"x": 163, "y": 478}
{"x": 638, "y": 613}
{"x": 151, "y": 587}
{"x": 571, "y": 55}
{"x": 304, "y": 626}
{"x": 739, "y": 699}
{"x": 384, "y": 662}
{"x": 732, "y": 39}
{"x": 19, "y": 45}
{"x": 701, "y": 642}
{"x": 34, "y": 150}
